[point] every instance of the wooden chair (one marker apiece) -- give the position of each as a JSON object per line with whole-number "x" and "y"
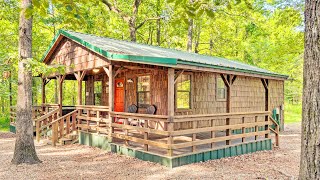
{"x": 152, "y": 109}
{"x": 131, "y": 109}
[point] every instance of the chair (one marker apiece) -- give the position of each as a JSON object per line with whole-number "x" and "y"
{"x": 131, "y": 109}
{"x": 152, "y": 109}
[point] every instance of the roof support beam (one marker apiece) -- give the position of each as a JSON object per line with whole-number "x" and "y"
{"x": 107, "y": 71}
{"x": 178, "y": 75}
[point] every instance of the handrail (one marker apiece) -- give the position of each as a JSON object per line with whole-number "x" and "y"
{"x": 275, "y": 131}
{"x": 60, "y": 118}
{"x": 47, "y": 115}
{"x": 273, "y": 121}
{"x": 223, "y": 114}
{"x": 138, "y": 115}
{"x": 62, "y": 130}
{"x": 91, "y": 106}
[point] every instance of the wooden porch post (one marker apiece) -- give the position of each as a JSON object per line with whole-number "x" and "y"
{"x": 60, "y": 80}
{"x": 80, "y": 76}
{"x": 43, "y": 90}
{"x": 228, "y": 81}
{"x": 109, "y": 72}
{"x": 170, "y": 126}
{"x": 265, "y": 83}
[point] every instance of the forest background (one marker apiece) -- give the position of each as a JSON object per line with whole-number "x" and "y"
{"x": 264, "y": 33}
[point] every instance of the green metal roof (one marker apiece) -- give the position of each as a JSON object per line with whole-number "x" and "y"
{"x": 116, "y": 49}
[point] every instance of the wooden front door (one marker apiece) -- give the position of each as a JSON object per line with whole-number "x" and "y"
{"x": 119, "y": 95}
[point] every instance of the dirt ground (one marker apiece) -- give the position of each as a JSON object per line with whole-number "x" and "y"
{"x": 83, "y": 162}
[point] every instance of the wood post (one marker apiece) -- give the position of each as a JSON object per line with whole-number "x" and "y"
{"x": 80, "y": 76}
{"x": 60, "y": 80}
{"x": 243, "y": 129}
{"x": 43, "y": 91}
{"x": 38, "y": 131}
{"x": 170, "y": 126}
{"x": 109, "y": 72}
{"x": 265, "y": 83}
{"x": 228, "y": 81}
{"x": 256, "y": 128}
{"x": 146, "y": 135}
{"x": 54, "y": 133}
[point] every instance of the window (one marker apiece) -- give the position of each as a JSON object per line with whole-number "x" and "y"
{"x": 183, "y": 86}
{"x": 221, "y": 89}
{"x": 97, "y": 92}
{"x": 143, "y": 91}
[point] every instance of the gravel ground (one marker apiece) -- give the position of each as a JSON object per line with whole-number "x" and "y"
{"x": 83, "y": 162}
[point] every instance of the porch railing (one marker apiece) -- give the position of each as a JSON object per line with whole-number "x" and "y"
{"x": 160, "y": 132}
{"x": 140, "y": 128}
{"x": 93, "y": 118}
{"x": 37, "y": 111}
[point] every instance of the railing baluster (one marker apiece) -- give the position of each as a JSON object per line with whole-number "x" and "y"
{"x": 38, "y": 131}
{"x": 68, "y": 125}
{"x": 256, "y": 128}
{"x": 213, "y": 133}
{"x": 146, "y": 135}
{"x": 243, "y": 129}
{"x": 170, "y": 127}
{"x": 194, "y": 135}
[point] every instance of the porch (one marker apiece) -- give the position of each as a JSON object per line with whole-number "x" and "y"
{"x": 94, "y": 128}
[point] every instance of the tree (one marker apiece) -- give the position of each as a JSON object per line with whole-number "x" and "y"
{"x": 310, "y": 139}
{"x": 130, "y": 20}
{"x": 24, "y": 147}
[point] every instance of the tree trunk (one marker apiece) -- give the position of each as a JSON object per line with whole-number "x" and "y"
{"x": 158, "y": 24}
{"x": 310, "y": 140}
{"x": 24, "y": 147}
{"x": 10, "y": 89}
{"x": 190, "y": 32}
{"x": 132, "y": 29}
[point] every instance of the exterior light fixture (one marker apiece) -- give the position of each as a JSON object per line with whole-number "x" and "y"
{"x": 129, "y": 81}
{"x": 96, "y": 70}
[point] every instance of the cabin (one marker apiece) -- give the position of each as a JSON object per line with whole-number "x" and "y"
{"x": 156, "y": 104}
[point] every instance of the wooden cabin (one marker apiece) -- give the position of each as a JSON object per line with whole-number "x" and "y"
{"x": 158, "y": 104}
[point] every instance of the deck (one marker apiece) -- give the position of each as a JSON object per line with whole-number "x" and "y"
{"x": 157, "y": 134}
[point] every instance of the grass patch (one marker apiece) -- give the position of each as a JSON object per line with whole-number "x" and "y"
{"x": 4, "y": 123}
{"x": 292, "y": 113}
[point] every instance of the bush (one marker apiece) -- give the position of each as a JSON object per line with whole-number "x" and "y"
{"x": 4, "y": 123}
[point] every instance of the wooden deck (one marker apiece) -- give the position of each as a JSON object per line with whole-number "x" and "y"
{"x": 157, "y": 134}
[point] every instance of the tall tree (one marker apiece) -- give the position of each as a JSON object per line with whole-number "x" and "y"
{"x": 310, "y": 140}
{"x": 131, "y": 20}
{"x": 24, "y": 147}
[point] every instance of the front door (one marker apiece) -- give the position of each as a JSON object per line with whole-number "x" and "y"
{"x": 119, "y": 95}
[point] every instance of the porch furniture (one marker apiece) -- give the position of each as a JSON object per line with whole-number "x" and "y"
{"x": 140, "y": 122}
{"x": 131, "y": 109}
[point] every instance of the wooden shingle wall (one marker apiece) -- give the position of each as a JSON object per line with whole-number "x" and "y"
{"x": 159, "y": 88}
{"x": 76, "y": 57}
{"x": 247, "y": 95}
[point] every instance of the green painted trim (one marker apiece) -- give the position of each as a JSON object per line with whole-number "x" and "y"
{"x": 112, "y": 56}
{"x": 12, "y": 129}
{"x": 151, "y": 60}
{"x": 231, "y": 69}
{"x": 101, "y": 141}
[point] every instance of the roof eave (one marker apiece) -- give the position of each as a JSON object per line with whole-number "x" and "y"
{"x": 284, "y": 77}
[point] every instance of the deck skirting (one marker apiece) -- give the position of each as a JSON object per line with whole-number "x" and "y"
{"x": 102, "y": 141}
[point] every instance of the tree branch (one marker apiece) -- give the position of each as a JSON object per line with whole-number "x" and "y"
{"x": 113, "y": 8}
{"x": 148, "y": 19}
